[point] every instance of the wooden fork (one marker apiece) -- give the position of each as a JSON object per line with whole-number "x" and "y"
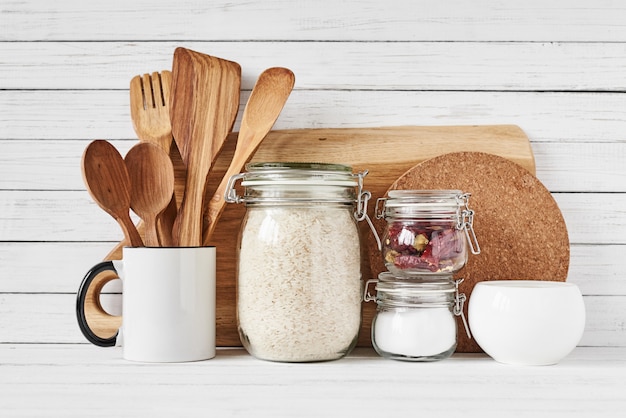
{"x": 150, "y": 109}
{"x": 150, "y": 113}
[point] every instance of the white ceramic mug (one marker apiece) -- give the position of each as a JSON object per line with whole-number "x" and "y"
{"x": 168, "y": 304}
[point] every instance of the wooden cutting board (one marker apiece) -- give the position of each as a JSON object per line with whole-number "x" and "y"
{"x": 386, "y": 152}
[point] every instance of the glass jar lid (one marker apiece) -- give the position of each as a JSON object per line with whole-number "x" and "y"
{"x": 397, "y": 292}
{"x": 298, "y": 173}
{"x": 300, "y": 183}
{"x": 421, "y": 204}
{"x": 426, "y": 284}
{"x": 435, "y": 197}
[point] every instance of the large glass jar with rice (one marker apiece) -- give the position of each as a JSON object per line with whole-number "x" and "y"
{"x": 299, "y": 281}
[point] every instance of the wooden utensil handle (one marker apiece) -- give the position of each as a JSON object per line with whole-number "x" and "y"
{"x": 151, "y": 235}
{"x": 165, "y": 224}
{"x": 216, "y": 206}
{"x": 187, "y": 230}
{"x": 99, "y": 327}
{"x": 130, "y": 231}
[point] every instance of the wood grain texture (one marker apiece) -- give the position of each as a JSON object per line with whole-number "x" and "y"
{"x": 150, "y": 108}
{"x": 203, "y": 108}
{"x": 268, "y": 97}
{"x": 151, "y": 175}
{"x": 108, "y": 182}
{"x": 150, "y": 112}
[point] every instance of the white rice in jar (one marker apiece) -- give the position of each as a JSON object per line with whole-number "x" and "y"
{"x": 299, "y": 282}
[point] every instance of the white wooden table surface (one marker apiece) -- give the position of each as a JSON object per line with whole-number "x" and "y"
{"x": 84, "y": 381}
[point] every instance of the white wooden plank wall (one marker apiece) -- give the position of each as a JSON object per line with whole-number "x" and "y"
{"x": 555, "y": 68}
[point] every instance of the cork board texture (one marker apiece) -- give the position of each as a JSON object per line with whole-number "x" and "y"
{"x": 520, "y": 228}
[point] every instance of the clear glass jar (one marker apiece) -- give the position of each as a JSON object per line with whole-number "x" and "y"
{"x": 427, "y": 231}
{"x": 415, "y": 320}
{"x": 299, "y": 287}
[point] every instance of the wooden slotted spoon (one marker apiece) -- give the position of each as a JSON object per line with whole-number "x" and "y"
{"x": 268, "y": 97}
{"x": 108, "y": 183}
{"x": 203, "y": 108}
{"x": 152, "y": 186}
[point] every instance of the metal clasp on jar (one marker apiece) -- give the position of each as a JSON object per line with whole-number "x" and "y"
{"x": 367, "y": 297}
{"x": 459, "y": 301}
{"x": 380, "y": 213}
{"x": 363, "y": 198}
{"x": 230, "y": 194}
{"x": 466, "y": 223}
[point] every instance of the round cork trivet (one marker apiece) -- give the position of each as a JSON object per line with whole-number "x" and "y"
{"x": 519, "y": 227}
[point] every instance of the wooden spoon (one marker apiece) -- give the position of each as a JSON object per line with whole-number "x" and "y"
{"x": 108, "y": 183}
{"x": 205, "y": 102}
{"x": 150, "y": 113}
{"x": 268, "y": 97}
{"x": 152, "y": 186}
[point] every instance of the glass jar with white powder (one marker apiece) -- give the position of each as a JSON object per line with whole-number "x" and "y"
{"x": 299, "y": 287}
{"x": 415, "y": 320}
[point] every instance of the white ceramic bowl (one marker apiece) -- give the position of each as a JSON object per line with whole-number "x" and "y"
{"x": 526, "y": 322}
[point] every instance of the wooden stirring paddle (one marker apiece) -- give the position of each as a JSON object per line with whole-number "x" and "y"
{"x": 203, "y": 108}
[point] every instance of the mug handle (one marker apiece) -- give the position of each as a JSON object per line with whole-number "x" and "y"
{"x": 98, "y": 326}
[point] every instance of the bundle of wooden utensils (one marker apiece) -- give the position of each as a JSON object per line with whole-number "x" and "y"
{"x": 196, "y": 105}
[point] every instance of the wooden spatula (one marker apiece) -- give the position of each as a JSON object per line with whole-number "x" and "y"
{"x": 203, "y": 108}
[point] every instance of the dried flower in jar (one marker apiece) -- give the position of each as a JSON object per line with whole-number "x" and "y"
{"x": 426, "y": 247}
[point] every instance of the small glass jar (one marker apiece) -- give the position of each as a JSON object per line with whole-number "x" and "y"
{"x": 299, "y": 287}
{"x": 427, "y": 231}
{"x": 415, "y": 321}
